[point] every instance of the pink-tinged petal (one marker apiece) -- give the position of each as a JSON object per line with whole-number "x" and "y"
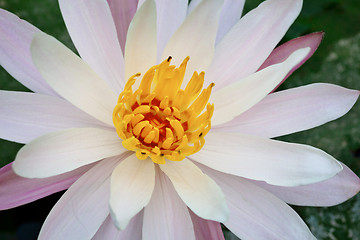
{"x": 272, "y": 161}
{"x": 15, "y": 57}
{"x": 230, "y": 15}
{"x": 199, "y": 192}
{"x": 206, "y": 229}
{"x": 195, "y": 38}
{"x": 93, "y": 32}
{"x": 293, "y": 110}
{"x": 246, "y": 46}
{"x": 122, "y": 12}
{"x": 141, "y": 41}
{"x": 330, "y": 192}
{"x": 170, "y": 15}
{"x": 256, "y": 213}
{"x": 72, "y": 78}
{"x": 26, "y": 116}
{"x": 168, "y": 211}
{"x": 280, "y": 53}
{"x": 132, "y": 231}
{"x": 132, "y": 184}
{"x": 252, "y": 89}
{"x": 16, "y": 190}
{"x": 84, "y": 206}
{"x": 66, "y": 150}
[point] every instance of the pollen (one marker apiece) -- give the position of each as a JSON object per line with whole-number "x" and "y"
{"x": 160, "y": 120}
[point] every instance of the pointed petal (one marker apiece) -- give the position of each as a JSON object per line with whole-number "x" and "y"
{"x": 251, "y": 90}
{"x": 94, "y": 35}
{"x": 109, "y": 231}
{"x": 132, "y": 183}
{"x": 122, "y": 12}
{"x": 170, "y": 15}
{"x": 15, "y": 57}
{"x": 195, "y": 38}
{"x": 230, "y": 15}
{"x": 199, "y": 192}
{"x": 330, "y": 192}
{"x": 293, "y": 110}
{"x": 282, "y": 52}
{"x": 26, "y": 116}
{"x": 83, "y": 207}
{"x": 65, "y": 150}
{"x": 16, "y": 190}
{"x": 206, "y": 229}
{"x": 72, "y": 78}
{"x": 242, "y": 51}
{"x": 140, "y": 48}
{"x": 256, "y": 213}
{"x": 275, "y": 162}
{"x": 169, "y": 213}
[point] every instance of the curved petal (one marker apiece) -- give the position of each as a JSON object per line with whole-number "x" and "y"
{"x": 109, "y": 231}
{"x": 293, "y": 110}
{"x": 122, "y": 12}
{"x": 84, "y": 206}
{"x": 246, "y": 46}
{"x": 195, "y": 38}
{"x": 15, "y": 57}
{"x": 275, "y": 162}
{"x": 206, "y": 229}
{"x": 327, "y": 193}
{"x": 93, "y": 32}
{"x": 16, "y": 190}
{"x": 65, "y": 150}
{"x": 230, "y": 15}
{"x": 236, "y": 98}
{"x": 169, "y": 213}
{"x": 140, "y": 47}
{"x": 256, "y": 213}
{"x": 26, "y": 116}
{"x": 132, "y": 184}
{"x": 199, "y": 192}
{"x": 72, "y": 78}
{"x": 282, "y": 52}
{"x": 170, "y": 15}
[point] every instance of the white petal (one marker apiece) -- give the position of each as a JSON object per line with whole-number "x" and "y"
{"x": 256, "y": 213}
{"x": 72, "y": 78}
{"x": 330, "y": 192}
{"x": 275, "y": 162}
{"x": 230, "y": 15}
{"x": 140, "y": 47}
{"x": 84, "y": 206}
{"x": 26, "y": 116}
{"x": 169, "y": 213}
{"x": 294, "y": 110}
{"x": 247, "y": 45}
{"x": 92, "y": 29}
{"x": 199, "y": 192}
{"x": 170, "y": 15}
{"x": 109, "y": 231}
{"x": 65, "y": 150}
{"x": 206, "y": 229}
{"x": 195, "y": 38}
{"x": 239, "y": 96}
{"x": 132, "y": 184}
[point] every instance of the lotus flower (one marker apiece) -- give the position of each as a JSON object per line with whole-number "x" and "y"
{"x": 161, "y": 130}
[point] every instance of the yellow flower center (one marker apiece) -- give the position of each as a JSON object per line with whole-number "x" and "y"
{"x": 161, "y": 121}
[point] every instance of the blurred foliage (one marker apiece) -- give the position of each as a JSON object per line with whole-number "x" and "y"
{"x": 337, "y": 61}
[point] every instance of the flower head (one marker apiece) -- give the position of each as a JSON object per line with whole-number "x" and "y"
{"x": 165, "y": 134}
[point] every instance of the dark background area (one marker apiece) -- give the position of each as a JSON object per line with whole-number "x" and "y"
{"x": 337, "y": 61}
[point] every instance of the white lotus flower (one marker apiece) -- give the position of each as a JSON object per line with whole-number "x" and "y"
{"x": 153, "y": 156}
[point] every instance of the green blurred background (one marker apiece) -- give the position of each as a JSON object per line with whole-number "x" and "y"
{"x": 336, "y": 61}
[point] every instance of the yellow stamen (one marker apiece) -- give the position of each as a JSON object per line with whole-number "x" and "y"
{"x": 161, "y": 121}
